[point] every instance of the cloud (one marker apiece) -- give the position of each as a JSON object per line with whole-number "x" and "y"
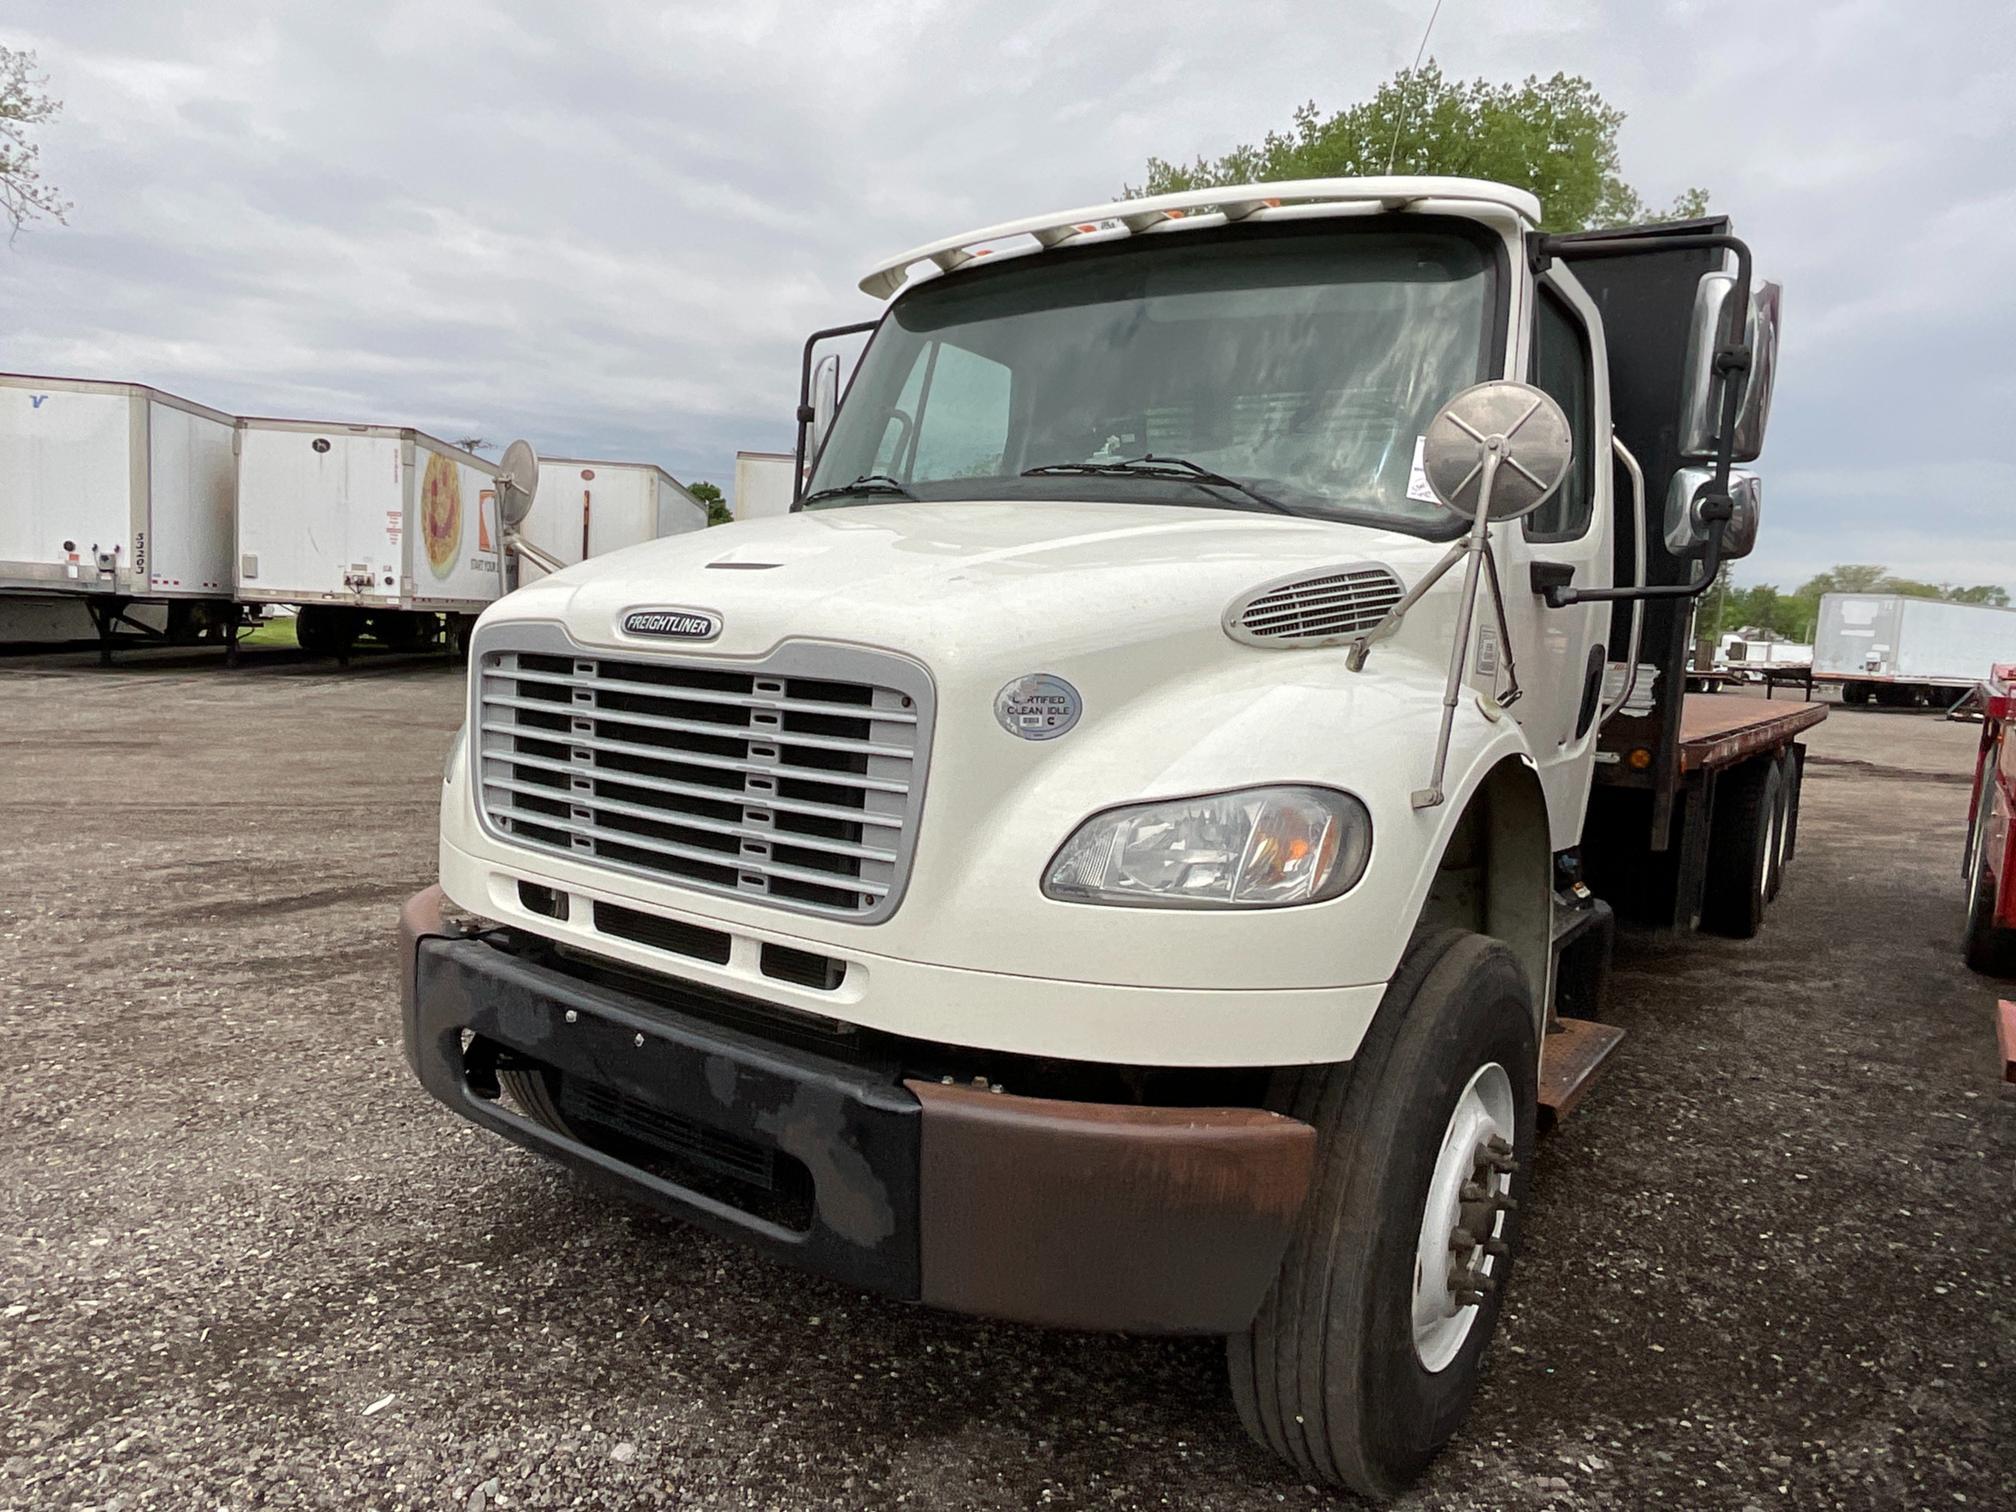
{"x": 609, "y": 225}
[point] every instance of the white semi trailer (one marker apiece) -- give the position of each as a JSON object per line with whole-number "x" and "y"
{"x": 1908, "y": 652}
{"x": 371, "y": 530}
{"x": 587, "y": 508}
{"x": 765, "y": 484}
{"x": 1116, "y": 855}
{"x": 118, "y": 495}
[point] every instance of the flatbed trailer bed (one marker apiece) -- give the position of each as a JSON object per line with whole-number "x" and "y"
{"x": 1720, "y": 729}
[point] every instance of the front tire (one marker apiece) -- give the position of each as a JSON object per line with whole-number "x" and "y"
{"x": 1366, "y": 1353}
{"x": 537, "y": 1095}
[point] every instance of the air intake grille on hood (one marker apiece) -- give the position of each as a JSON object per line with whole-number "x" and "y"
{"x": 1319, "y": 608}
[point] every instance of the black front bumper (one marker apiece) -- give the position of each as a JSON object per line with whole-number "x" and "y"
{"x": 854, "y": 1131}
{"x": 1086, "y": 1215}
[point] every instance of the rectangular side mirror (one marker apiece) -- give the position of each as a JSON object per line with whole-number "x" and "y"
{"x": 1686, "y": 536}
{"x": 1701, "y": 403}
{"x": 825, "y": 404}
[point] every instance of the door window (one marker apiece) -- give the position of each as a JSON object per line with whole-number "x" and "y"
{"x": 1561, "y": 367}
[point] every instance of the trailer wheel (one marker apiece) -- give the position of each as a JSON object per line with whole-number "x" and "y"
{"x": 537, "y": 1095}
{"x": 325, "y": 629}
{"x": 1986, "y": 947}
{"x": 1364, "y": 1357}
{"x": 397, "y": 630}
{"x": 1741, "y": 850}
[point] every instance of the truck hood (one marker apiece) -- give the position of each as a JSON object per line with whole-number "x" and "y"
{"x": 940, "y": 580}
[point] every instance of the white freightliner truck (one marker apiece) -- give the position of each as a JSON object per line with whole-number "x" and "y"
{"x": 1090, "y": 863}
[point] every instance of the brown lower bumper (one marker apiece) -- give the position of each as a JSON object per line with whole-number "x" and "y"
{"x": 1076, "y": 1215}
{"x": 1093, "y": 1215}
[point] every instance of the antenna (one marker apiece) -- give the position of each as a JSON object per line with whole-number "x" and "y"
{"x": 1394, "y": 151}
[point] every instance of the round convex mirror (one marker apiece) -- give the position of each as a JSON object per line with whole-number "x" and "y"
{"x": 517, "y": 481}
{"x": 1522, "y": 426}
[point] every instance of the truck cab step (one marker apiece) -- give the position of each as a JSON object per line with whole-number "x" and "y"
{"x": 1572, "y": 1055}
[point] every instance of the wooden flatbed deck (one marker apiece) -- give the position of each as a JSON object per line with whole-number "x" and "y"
{"x": 1718, "y": 729}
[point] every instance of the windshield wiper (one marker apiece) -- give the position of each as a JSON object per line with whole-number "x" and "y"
{"x": 1180, "y": 469}
{"x": 867, "y": 483}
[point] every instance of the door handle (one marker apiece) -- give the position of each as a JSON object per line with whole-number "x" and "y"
{"x": 1546, "y": 575}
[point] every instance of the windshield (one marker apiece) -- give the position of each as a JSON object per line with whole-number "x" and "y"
{"x": 1302, "y": 362}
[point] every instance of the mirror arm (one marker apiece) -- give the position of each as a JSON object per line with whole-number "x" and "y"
{"x": 1711, "y": 563}
{"x": 805, "y": 398}
{"x": 1731, "y": 360}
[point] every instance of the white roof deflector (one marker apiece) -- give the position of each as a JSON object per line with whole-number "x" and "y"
{"x": 1239, "y": 203}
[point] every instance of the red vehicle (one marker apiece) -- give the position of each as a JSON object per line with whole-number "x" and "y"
{"x": 1990, "y": 943}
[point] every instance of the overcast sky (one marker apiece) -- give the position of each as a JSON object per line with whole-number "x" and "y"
{"x": 608, "y": 226}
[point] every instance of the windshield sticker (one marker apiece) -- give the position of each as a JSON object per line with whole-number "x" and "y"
{"x": 1417, "y": 475}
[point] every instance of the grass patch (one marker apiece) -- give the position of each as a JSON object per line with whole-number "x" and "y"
{"x": 274, "y": 632}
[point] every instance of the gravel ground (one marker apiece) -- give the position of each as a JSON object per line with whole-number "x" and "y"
{"x": 244, "y": 1260}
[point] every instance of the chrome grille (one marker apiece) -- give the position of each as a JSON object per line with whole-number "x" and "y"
{"x": 1339, "y": 603}
{"x": 796, "y": 781}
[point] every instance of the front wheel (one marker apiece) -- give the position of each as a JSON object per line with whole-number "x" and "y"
{"x": 537, "y": 1094}
{"x": 1366, "y": 1353}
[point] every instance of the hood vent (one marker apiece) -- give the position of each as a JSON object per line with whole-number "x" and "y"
{"x": 1320, "y": 608}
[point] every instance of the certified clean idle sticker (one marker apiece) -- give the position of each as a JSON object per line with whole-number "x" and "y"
{"x": 1038, "y": 707}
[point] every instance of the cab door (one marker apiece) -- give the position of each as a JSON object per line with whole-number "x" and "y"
{"x": 1560, "y": 652}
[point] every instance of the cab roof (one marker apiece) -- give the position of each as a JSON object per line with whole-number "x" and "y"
{"x": 1195, "y": 209}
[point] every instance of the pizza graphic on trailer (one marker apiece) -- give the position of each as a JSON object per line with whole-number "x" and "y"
{"x": 441, "y": 513}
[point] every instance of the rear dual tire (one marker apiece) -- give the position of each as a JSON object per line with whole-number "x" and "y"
{"x": 1356, "y": 1370}
{"x": 1744, "y": 848}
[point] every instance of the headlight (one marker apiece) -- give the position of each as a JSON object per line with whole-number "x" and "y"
{"x": 1256, "y": 848}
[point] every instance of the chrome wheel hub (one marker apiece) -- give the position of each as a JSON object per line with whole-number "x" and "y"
{"x": 1462, "y": 1250}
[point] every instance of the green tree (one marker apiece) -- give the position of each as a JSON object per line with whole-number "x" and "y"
{"x": 718, "y": 512}
{"x": 1556, "y": 137}
{"x": 24, "y": 106}
{"x": 1849, "y": 577}
{"x": 1992, "y": 594}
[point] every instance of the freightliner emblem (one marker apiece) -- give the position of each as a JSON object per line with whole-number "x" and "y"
{"x": 672, "y": 624}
